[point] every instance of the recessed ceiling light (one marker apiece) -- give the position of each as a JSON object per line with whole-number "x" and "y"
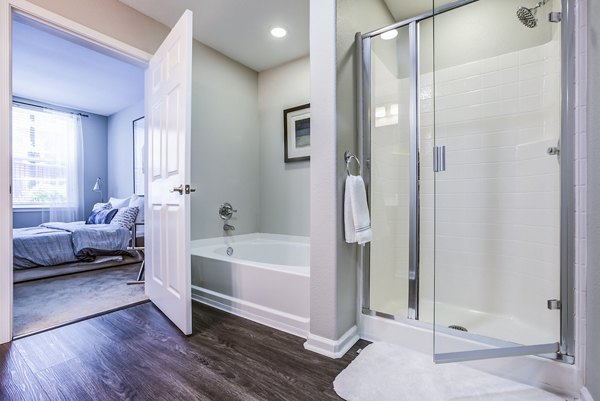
{"x": 389, "y": 34}
{"x": 278, "y": 32}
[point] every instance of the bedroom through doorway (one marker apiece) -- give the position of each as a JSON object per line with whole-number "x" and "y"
{"x": 77, "y": 179}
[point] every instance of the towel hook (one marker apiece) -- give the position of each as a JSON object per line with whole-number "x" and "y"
{"x": 348, "y": 157}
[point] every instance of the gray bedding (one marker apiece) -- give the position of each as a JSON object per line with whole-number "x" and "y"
{"x": 55, "y": 243}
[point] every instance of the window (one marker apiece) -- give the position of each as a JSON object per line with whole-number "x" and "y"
{"x": 45, "y": 158}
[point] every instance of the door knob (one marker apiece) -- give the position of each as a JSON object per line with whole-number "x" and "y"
{"x": 178, "y": 189}
{"x": 189, "y": 189}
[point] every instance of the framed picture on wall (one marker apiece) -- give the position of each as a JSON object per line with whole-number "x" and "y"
{"x": 296, "y": 133}
{"x": 139, "y": 147}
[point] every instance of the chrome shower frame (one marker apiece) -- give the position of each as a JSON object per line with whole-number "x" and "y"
{"x": 566, "y": 347}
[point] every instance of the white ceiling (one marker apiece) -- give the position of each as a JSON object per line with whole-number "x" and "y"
{"x": 240, "y": 28}
{"x": 52, "y": 69}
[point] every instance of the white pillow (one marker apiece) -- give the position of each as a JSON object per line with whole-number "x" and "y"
{"x": 100, "y": 206}
{"x": 119, "y": 203}
{"x": 138, "y": 201}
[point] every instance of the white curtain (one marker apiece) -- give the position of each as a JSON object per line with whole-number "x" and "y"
{"x": 48, "y": 162}
{"x": 72, "y": 155}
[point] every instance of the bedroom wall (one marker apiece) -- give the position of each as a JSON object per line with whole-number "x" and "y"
{"x": 284, "y": 187}
{"x": 95, "y": 164}
{"x": 120, "y": 150}
{"x": 225, "y": 143}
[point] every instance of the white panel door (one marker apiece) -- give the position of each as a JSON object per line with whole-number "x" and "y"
{"x": 168, "y": 125}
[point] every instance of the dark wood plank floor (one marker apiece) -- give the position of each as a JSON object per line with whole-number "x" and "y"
{"x": 137, "y": 354}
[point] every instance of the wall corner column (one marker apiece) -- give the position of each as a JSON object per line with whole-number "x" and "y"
{"x": 330, "y": 334}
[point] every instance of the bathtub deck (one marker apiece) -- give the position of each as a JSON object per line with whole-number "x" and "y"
{"x": 136, "y": 353}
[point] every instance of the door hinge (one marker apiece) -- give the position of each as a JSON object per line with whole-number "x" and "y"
{"x": 439, "y": 159}
{"x": 554, "y": 304}
{"x": 555, "y": 16}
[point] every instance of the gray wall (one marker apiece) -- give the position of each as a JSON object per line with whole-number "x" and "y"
{"x": 284, "y": 187}
{"x": 352, "y": 16}
{"x": 593, "y": 203}
{"x": 333, "y": 295}
{"x": 470, "y": 33}
{"x": 94, "y": 160}
{"x": 120, "y": 151}
{"x": 225, "y": 143}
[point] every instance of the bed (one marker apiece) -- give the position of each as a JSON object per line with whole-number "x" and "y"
{"x": 57, "y": 243}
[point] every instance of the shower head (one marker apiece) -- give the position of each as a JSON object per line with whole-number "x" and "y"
{"x": 527, "y": 15}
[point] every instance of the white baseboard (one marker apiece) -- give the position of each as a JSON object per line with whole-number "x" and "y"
{"x": 279, "y": 320}
{"x": 585, "y": 395}
{"x": 332, "y": 348}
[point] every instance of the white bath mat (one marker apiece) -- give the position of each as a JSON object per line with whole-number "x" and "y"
{"x": 386, "y": 372}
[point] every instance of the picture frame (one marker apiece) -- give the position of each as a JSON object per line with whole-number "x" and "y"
{"x": 296, "y": 133}
{"x": 139, "y": 147}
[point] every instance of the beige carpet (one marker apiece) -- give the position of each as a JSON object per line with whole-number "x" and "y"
{"x": 49, "y": 302}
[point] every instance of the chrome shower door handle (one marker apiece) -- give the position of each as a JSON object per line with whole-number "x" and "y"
{"x": 178, "y": 189}
{"x": 439, "y": 159}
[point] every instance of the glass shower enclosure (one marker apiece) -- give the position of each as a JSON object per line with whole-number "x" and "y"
{"x": 465, "y": 138}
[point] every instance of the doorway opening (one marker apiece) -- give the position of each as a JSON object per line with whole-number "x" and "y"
{"x": 78, "y": 204}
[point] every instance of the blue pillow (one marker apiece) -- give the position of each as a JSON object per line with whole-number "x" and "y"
{"x": 102, "y": 216}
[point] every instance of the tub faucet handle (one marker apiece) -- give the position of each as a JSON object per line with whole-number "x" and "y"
{"x": 226, "y": 211}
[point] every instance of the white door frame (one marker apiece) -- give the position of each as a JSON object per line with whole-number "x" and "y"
{"x": 103, "y": 42}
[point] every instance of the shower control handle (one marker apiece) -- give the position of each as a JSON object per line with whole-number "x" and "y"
{"x": 226, "y": 211}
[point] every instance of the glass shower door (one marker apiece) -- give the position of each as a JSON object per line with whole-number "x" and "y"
{"x": 497, "y": 91}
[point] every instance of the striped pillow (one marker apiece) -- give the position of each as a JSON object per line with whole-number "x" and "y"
{"x": 125, "y": 217}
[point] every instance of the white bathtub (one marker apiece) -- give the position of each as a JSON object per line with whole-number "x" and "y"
{"x": 266, "y": 278}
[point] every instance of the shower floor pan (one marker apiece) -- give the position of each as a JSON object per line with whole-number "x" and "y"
{"x": 485, "y": 324}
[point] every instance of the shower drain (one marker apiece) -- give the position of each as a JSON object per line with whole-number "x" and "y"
{"x": 457, "y": 327}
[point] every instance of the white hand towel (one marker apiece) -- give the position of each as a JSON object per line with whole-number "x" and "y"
{"x": 357, "y": 223}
